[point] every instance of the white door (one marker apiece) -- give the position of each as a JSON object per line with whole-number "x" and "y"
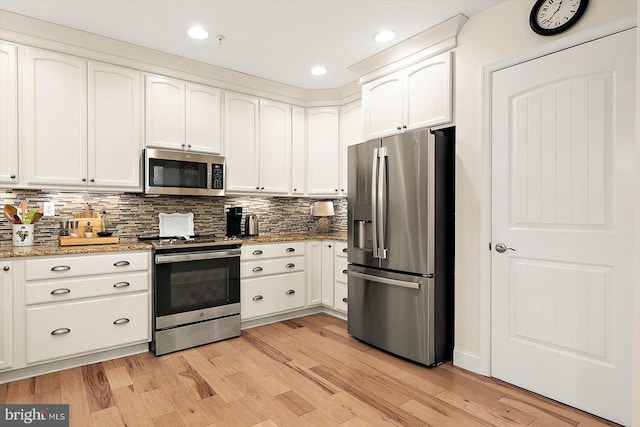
{"x": 351, "y": 128}
{"x": 165, "y": 112}
{"x": 563, "y": 137}
{"x": 275, "y": 147}
{"x": 323, "y": 150}
{"x": 203, "y": 118}
{"x": 241, "y": 142}
{"x": 298, "y": 150}
{"x": 428, "y": 92}
{"x": 383, "y": 105}
{"x": 8, "y": 114}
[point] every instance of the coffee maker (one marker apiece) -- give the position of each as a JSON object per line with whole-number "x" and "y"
{"x": 234, "y": 217}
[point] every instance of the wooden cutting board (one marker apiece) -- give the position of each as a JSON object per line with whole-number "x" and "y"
{"x": 75, "y": 241}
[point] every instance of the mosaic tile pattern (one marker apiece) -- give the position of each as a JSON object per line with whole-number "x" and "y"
{"x": 130, "y": 215}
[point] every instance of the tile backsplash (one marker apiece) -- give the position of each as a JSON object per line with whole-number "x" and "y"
{"x": 130, "y": 214}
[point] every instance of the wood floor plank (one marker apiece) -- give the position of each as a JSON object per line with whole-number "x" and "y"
{"x": 73, "y": 392}
{"x": 97, "y": 387}
{"x": 295, "y": 403}
{"x": 108, "y": 417}
{"x": 157, "y": 402}
{"x": 172, "y": 419}
{"x": 118, "y": 377}
{"x": 439, "y": 417}
{"x": 132, "y": 409}
{"x": 216, "y": 380}
{"x": 223, "y": 414}
{"x": 50, "y": 397}
{"x": 47, "y": 383}
{"x": 21, "y": 391}
{"x": 190, "y": 411}
{"x": 199, "y": 388}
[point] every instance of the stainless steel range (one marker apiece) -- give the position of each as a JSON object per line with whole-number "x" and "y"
{"x": 196, "y": 291}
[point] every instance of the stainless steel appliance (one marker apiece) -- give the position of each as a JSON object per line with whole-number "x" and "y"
{"x": 251, "y": 225}
{"x": 196, "y": 291}
{"x": 401, "y": 244}
{"x": 234, "y": 219}
{"x": 183, "y": 173}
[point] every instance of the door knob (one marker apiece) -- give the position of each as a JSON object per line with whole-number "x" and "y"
{"x": 502, "y": 248}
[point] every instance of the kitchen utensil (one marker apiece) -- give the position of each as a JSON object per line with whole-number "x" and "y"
{"x": 251, "y": 225}
{"x": 87, "y": 211}
{"x": 36, "y": 217}
{"x": 9, "y": 212}
{"x": 23, "y": 211}
{"x": 17, "y": 219}
{"x": 29, "y": 218}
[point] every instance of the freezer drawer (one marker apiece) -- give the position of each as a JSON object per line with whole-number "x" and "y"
{"x": 395, "y": 312}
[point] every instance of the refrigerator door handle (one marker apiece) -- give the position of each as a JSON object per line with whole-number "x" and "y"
{"x": 374, "y": 202}
{"x": 385, "y": 280}
{"x": 383, "y": 156}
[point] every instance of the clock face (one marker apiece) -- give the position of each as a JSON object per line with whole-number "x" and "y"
{"x": 550, "y": 17}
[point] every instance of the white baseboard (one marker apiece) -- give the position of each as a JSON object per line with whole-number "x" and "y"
{"x": 468, "y": 361}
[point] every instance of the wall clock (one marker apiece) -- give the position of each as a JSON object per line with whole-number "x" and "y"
{"x": 549, "y": 17}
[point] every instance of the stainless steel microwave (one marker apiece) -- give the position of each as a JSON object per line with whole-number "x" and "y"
{"x": 183, "y": 173}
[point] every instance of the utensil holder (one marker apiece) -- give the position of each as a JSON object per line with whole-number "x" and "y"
{"x": 22, "y": 234}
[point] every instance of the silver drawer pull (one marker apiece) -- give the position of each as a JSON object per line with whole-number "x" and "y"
{"x": 290, "y": 265}
{"x": 345, "y": 271}
{"x": 121, "y": 264}
{"x": 60, "y": 331}
{"x": 257, "y": 252}
{"x": 121, "y": 284}
{"x": 290, "y": 292}
{"x": 345, "y": 300}
{"x": 258, "y": 297}
{"x": 257, "y": 269}
{"x": 345, "y": 250}
{"x": 60, "y": 291}
{"x": 121, "y": 321}
{"x": 290, "y": 250}
{"x": 60, "y": 268}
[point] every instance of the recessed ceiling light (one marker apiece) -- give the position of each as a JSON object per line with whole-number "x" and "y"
{"x": 384, "y": 36}
{"x": 198, "y": 33}
{"x": 318, "y": 71}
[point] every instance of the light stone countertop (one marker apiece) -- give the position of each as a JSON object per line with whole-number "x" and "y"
{"x": 9, "y": 251}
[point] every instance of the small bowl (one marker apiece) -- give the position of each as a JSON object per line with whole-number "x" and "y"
{"x": 104, "y": 233}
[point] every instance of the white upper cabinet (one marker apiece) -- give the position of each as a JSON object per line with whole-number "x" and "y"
{"x": 182, "y": 115}
{"x": 203, "y": 118}
{"x": 351, "y": 133}
{"x": 298, "y": 151}
{"x": 323, "y": 151}
{"x": 275, "y": 147}
{"x": 115, "y": 126}
{"x": 8, "y": 115}
{"x": 165, "y": 112}
{"x": 241, "y": 147}
{"x": 52, "y": 119}
{"x": 414, "y": 97}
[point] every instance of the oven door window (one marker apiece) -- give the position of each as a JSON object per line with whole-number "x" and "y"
{"x": 193, "y": 285}
{"x": 177, "y": 173}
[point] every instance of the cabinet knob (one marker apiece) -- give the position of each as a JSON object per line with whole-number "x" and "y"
{"x": 60, "y": 331}
{"x": 257, "y": 188}
{"x": 290, "y": 292}
{"x": 345, "y": 250}
{"x": 295, "y": 189}
{"x": 92, "y": 180}
{"x": 13, "y": 176}
{"x": 189, "y": 146}
{"x": 184, "y": 145}
{"x": 336, "y": 190}
{"x": 258, "y": 297}
{"x": 6, "y": 268}
{"x": 345, "y": 271}
{"x": 262, "y": 188}
{"x": 84, "y": 179}
{"x": 329, "y": 246}
{"x": 342, "y": 189}
{"x": 257, "y": 269}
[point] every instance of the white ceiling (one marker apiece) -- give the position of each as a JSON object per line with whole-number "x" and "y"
{"x": 278, "y": 40}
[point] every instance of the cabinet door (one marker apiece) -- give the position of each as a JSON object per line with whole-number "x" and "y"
{"x": 241, "y": 142}
{"x": 314, "y": 273}
{"x": 53, "y": 118}
{"x": 327, "y": 273}
{"x": 275, "y": 147}
{"x": 8, "y": 114}
{"x": 115, "y": 126}
{"x": 204, "y": 118}
{"x": 298, "y": 151}
{"x": 428, "y": 92}
{"x": 383, "y": 106}
{"x": 165, "y": 112}
{"x": 351, "y": 133}
{"x": 6, "y": 315}
{"x": 323, "y": 147}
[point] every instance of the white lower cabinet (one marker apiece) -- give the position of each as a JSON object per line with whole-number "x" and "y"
{"x": 340, "y": 301}
{"x": 77, "y": 305}
{"x": 6, "y": 315}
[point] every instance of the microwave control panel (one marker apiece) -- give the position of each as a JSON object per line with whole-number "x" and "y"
{"x": 217, "y": 173}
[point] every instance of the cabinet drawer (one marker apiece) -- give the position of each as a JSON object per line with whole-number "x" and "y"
{"x": 341, "y": 249}
{"x": 73, "y": 266}
{"x": 340, "y": 295}
{"x": 271, "y": 266}
{"x": 91, "y": 286}
{"x": 273, "y": 294}
{"x": 63, "y": 330}
{"x": 340, "y": 269}
{"x": 272, "y": 250}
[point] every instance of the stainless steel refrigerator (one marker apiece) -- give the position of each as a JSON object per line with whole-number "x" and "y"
{"x": 401, "y": 244}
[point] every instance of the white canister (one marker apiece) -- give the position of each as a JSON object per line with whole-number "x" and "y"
{"x": 22, "y": 234}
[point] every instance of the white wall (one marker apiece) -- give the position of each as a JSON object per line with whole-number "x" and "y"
{"x": 493, "y": 35}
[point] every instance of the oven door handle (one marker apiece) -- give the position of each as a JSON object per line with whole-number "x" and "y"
{"x": 196, "y": 256}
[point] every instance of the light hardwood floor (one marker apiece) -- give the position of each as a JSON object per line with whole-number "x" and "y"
{"x": 302, "y": 372}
